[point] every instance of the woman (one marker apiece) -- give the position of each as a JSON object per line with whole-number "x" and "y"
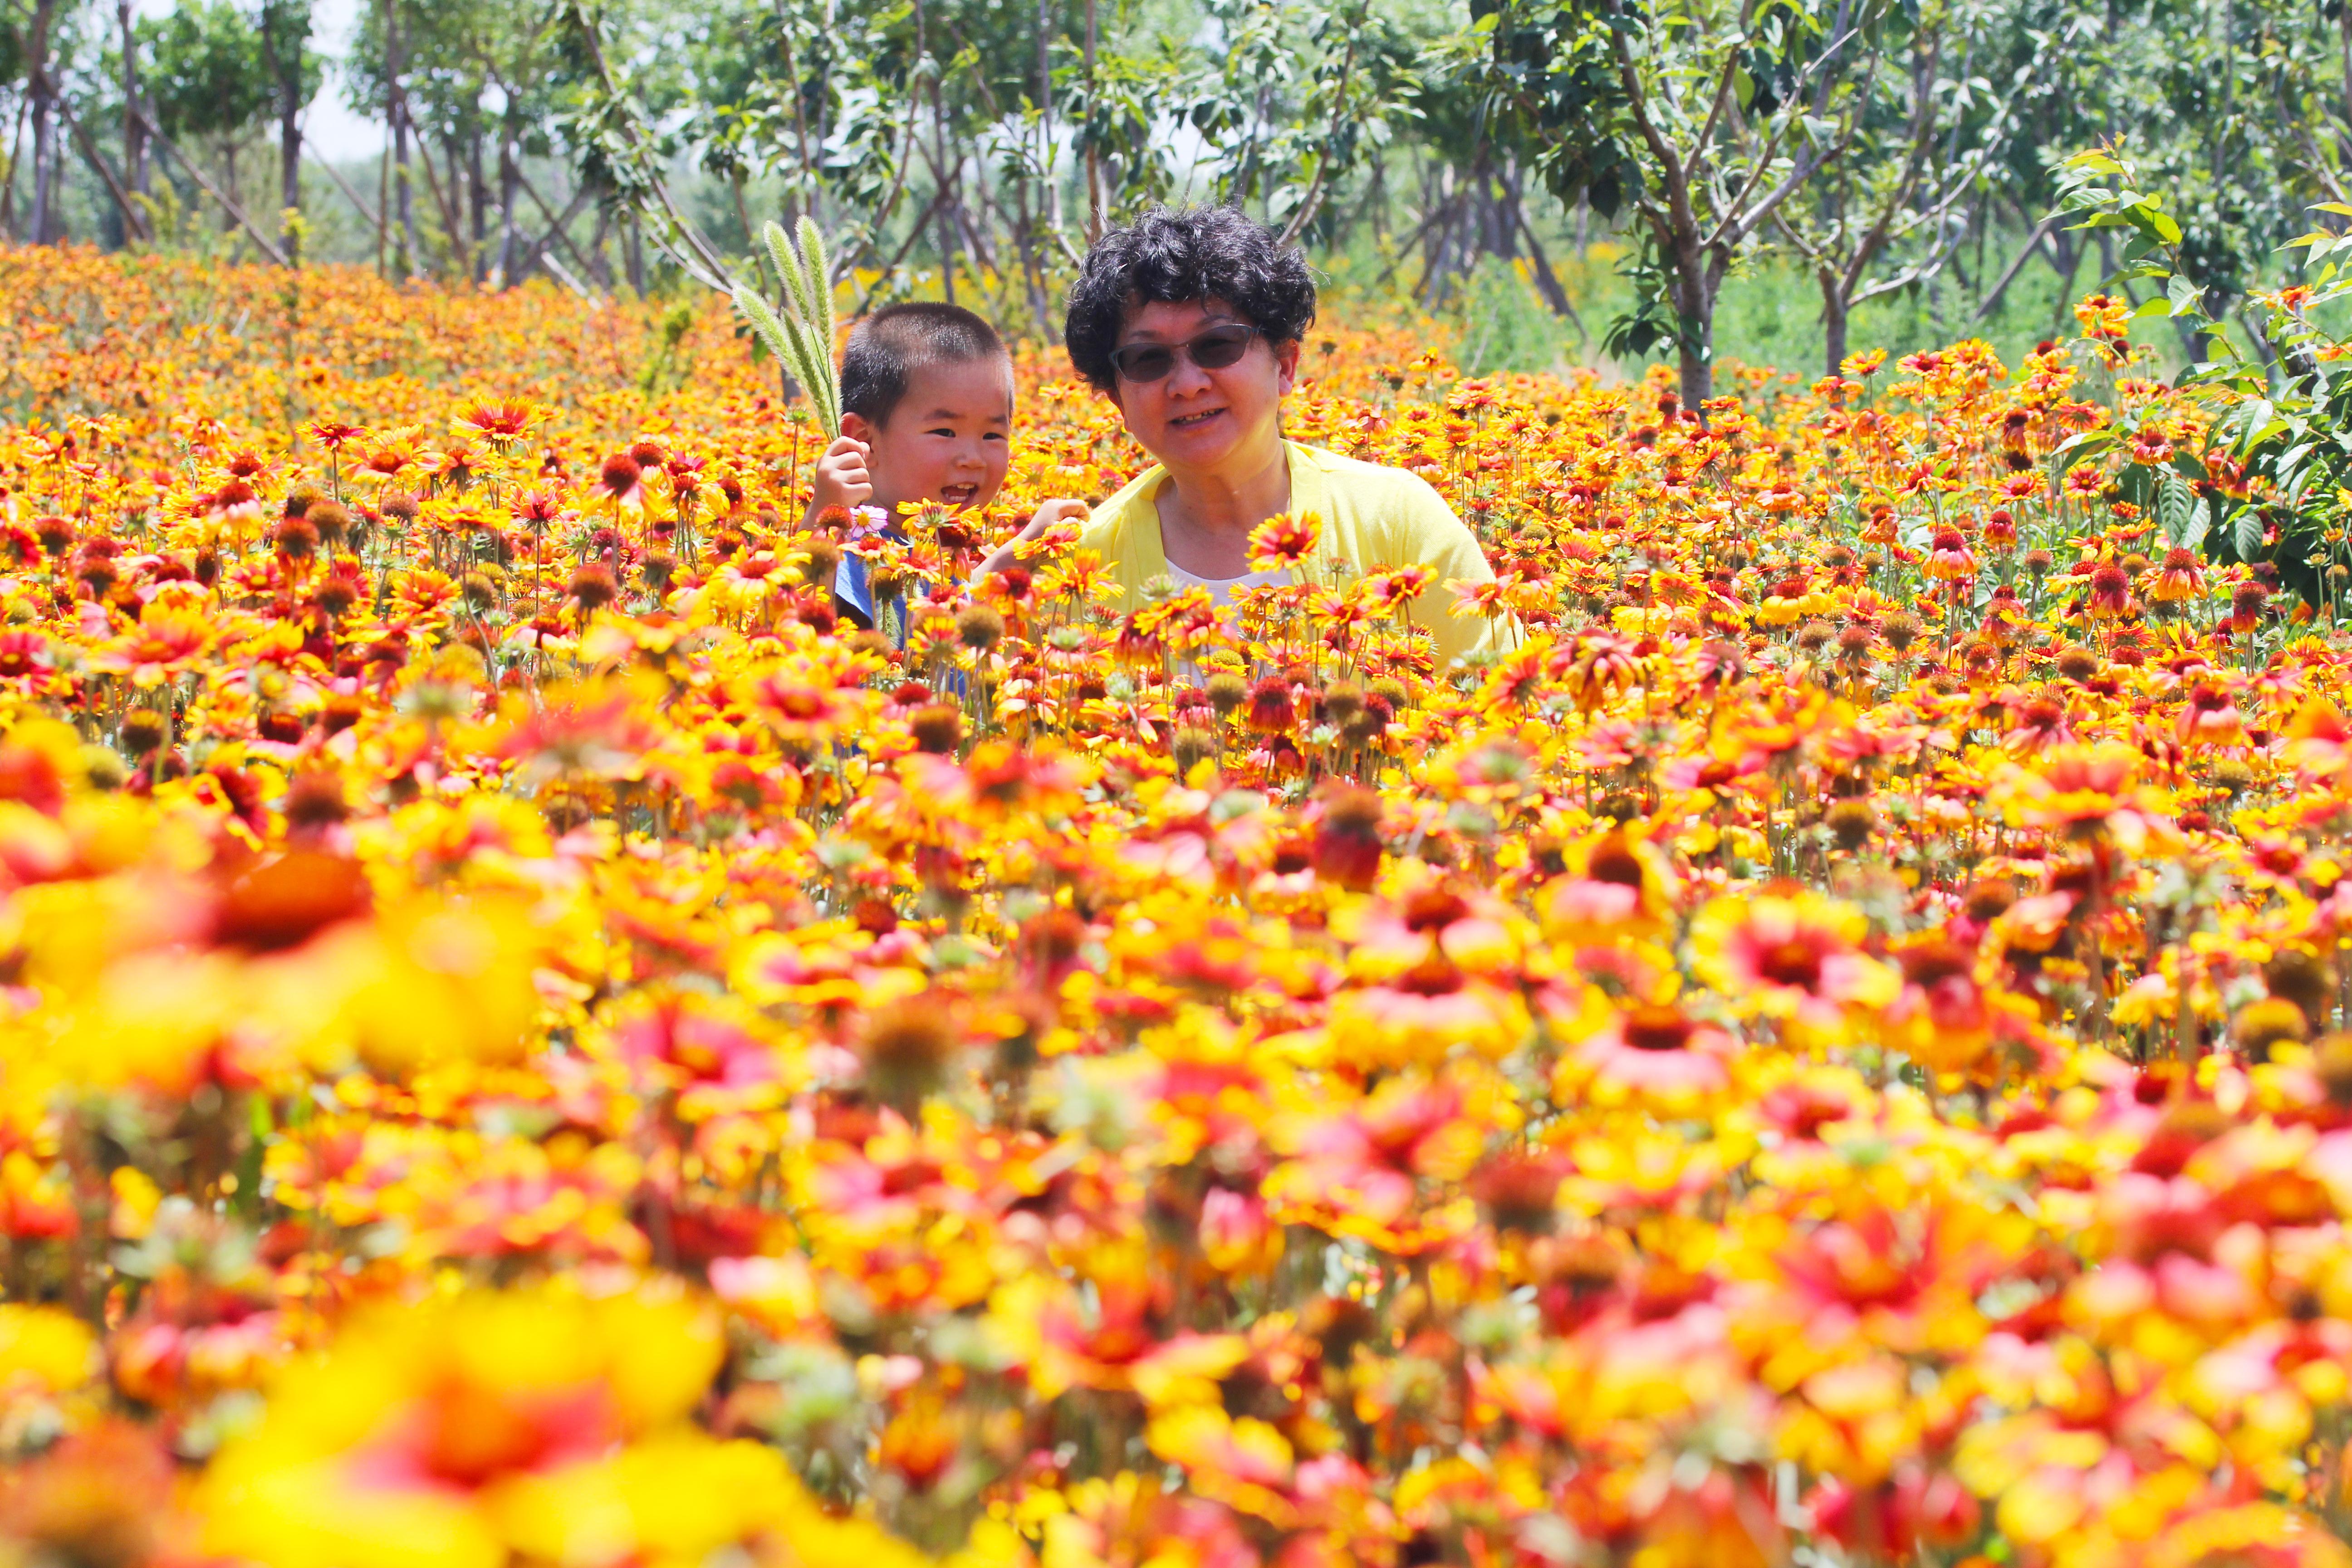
{"x": 1191, "y": 322}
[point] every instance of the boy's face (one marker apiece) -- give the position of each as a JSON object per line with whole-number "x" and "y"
{"x": 948, "y": 440}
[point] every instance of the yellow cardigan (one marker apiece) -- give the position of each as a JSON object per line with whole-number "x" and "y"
{"x": 1374, "y": 520}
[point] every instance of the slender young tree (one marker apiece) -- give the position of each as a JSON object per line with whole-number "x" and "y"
{"x": 134, "y": 113}
{"x": 208, "y": 81}
{"x": 1695, "y": 119}
{"x": 1920, "y": 131}
{"x": 37, "y": 23}
{"x": 282, "y": 30}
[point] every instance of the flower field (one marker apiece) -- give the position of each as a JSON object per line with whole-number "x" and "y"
{"x": 526, "y": 1041}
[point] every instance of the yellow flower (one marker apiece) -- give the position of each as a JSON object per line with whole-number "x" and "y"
{"x": 43, "y": 1351}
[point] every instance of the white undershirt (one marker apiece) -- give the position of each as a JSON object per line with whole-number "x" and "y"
{"x": 1221, "y": 589}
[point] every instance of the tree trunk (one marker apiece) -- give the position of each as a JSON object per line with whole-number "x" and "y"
{"x": 405, "y": 212}
{"x": 1697, "y": 377}
{"x": 1547, "y": 281}
{"x": 228, "y": 183}
{"x": 382, "y": 201}
{"x": 1692, "y": 284}
{"x": 1834, "y": 321}
{"x": 283, "y": 57}
{"x": 510, "y": 184}
{"x": 945, "y": 208}
{"x": 481, "y": 201}
{"x": 1046, "y": 159}
{"x": 290, "y": 172}
{"x": 134, "y": 130}
{"x": 600, "y": 269}
{"x": 1094, "y": 160}
{"x": 45, "y": 128}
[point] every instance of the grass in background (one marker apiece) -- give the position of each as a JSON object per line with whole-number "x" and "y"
{"x": 1770, "y": 313}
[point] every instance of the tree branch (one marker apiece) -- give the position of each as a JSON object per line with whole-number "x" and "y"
{"x": 1992, "y": 299}
{"x": 335, "y": 175}
{"x": 228, "y": 203}
{"x": 1313, "y": 200}
{"x": 134, "y": 222}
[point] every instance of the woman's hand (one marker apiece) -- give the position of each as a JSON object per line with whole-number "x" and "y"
{"x": 1064, "y": 510}
{"x": 841, "y": 478}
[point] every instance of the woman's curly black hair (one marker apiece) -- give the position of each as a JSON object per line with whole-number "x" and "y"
{"x": 1178, "y": 255}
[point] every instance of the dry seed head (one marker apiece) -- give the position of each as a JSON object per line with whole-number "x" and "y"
{"x": 978, "y": 628}
{"x": 297, "y": 538}
{"x": 142, "y": 731}
{"x": 1850, "y": 822}
{"x": 593, "y": 587}
{"x": 315, "y": 800}
{"x": 331, "y": 518}
{"x": 824, "y": 562}
{"x": 937, "y": 729}
{"x": 2304, "y": 979}
{"x": 2332, "y": 1058}
{"x": 906, "y": 1048}
{"x": 2262, "y": 1025}
{"x": 337, "y": 594}
{"x": 1190, "y": 747}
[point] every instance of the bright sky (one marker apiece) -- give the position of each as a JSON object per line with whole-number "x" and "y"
{"x": 334, "y": 132}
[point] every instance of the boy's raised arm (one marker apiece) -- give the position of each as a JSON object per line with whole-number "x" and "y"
{"x": 1052, "y": 512}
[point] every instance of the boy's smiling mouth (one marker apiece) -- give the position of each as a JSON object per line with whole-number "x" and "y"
{"x": 959, "y": 494}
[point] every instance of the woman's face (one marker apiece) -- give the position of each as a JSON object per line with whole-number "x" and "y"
{"x": 1205, "y": 421}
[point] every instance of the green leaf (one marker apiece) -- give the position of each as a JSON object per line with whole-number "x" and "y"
{"x": 2097, "y": 163}
{"x": 2173, "y": 503}
{"x": 2246, "y": 533}
{"x": 2076, "y": 448}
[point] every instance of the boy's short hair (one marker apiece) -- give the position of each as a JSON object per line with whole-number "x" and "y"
{"x": 1176, "y": 256}
{"x": 889, "y": 346}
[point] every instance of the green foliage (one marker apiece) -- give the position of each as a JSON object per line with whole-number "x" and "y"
{"x": 281, "y": 34}
{"x": 207, "y": 77}
{"x": 2283, "y": 430}
{"x": 1697, "y": 120}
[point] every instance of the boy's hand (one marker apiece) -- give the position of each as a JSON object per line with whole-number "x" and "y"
{"x": 1047, "y": 516}
{"x": 1052, "y": 512}
{"x": 841, "y": 478}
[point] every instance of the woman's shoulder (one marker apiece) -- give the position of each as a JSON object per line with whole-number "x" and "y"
{"x": 1111, "y": 517}
{"x": 1374, "y": 492}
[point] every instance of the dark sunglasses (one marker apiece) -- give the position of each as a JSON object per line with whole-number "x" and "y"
{"x": 1213, "y": 350}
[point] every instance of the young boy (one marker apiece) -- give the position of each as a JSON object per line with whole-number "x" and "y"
{"x": 926, "y": 415}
